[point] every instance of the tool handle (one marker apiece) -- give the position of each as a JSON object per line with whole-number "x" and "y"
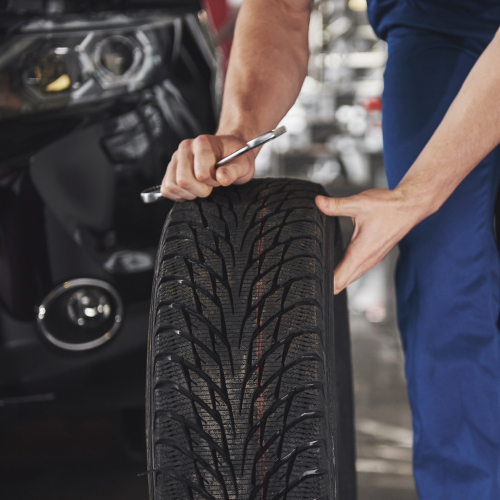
{"x": 232, "y": 156}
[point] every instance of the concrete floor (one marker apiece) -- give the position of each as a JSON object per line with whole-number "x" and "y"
{"x": 83, "y": 458}
{"x": 67, "y": 458}
{"x": 383, "y": 422}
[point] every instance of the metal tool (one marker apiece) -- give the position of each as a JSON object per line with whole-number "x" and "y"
{"x": 153, "y": 194}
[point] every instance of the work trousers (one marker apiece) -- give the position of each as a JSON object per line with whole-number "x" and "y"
{"x": 447, "y": 279}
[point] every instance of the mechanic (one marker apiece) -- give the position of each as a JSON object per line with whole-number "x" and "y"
{"x": 441, "y": 123}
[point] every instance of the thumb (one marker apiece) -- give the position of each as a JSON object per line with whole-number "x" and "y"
{"x": 237, "y": 170}
{"x": 335, "y": 206}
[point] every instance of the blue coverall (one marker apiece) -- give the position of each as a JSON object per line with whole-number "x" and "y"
{"x": 447, "y": 280}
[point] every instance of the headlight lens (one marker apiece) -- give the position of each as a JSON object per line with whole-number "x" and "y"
{"x": 116, "y": 56}
{"x": 58, "y": 66}
{"x": 49, "y": 72}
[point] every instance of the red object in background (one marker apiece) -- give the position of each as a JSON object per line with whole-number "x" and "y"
{"x": 373, "y": 104}
{"x": 220, "y": 14}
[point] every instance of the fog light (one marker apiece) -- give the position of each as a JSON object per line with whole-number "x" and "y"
{"x": 89, "y": 307}
{"x": 80, "y": 314}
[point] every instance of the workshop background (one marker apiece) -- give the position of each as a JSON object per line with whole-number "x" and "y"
{"x": 335, "y": 139}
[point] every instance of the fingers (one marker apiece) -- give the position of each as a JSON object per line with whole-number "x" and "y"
{"x": 369, "y": 244}
{"x": 359, "y": 256}
{"x": 381, "y": 217}
{"x": 356, "y": 261}
{"x": 337, "y": 206}
{"x": 237, "y": 172}
{"x": 205, "y": 159}
{"x": 180, "y": 182}
{"x": 185, "y": 176}
{"x": 169, "y": 187}
{"x": 192, "y": 173}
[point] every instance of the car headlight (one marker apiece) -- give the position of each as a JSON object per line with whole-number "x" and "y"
{"x": 50, "y": 65}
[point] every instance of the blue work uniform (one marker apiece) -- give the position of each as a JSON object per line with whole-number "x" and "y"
{"x": 448, "y": 279}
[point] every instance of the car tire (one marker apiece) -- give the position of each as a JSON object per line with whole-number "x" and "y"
{"x": 249, "y": 392}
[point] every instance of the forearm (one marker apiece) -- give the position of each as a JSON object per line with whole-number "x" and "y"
{"x": 467, "y": 133}
{"x": 267, "y": 67}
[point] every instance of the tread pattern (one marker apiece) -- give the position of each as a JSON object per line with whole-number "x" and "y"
{"x": 239, "y": 360}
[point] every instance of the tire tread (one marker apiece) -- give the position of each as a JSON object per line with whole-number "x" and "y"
{"x": 237, "y": 348}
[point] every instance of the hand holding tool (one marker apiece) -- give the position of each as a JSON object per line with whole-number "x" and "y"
{"x": 153, "y": 194}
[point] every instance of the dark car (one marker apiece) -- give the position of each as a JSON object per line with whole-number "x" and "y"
{"x": 94, "y": 99}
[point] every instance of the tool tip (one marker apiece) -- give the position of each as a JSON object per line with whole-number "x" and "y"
{"x": 279, "y": 131}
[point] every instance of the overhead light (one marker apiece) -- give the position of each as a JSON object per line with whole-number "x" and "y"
{"x": 357, "y": 5}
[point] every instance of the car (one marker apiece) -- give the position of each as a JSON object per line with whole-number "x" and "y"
{"x": 94, "y": 99}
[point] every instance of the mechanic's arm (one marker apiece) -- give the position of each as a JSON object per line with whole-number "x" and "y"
{"x": 266, "y": 70}
{"x": 467, "y": 133}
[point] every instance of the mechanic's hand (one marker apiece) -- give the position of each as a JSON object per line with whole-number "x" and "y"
{"x": 191, "y": 171}
{"x": 381, "y": 217}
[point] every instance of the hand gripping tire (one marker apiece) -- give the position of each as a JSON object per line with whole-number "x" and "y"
{"x": 249, "y": 391}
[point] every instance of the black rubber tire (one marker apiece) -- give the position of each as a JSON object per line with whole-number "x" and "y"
{"x": 249, "y": 392}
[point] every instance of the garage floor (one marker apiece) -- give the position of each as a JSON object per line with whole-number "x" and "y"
{"x": 88, "y": 458}
{"x": 67, "y": 458}
{"x": 383, "y": 419}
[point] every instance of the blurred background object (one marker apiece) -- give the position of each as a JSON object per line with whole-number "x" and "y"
{"x": 335, "y": 139}
{"x": 112, "y": 94}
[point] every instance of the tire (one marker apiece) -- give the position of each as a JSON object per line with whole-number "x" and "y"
{"x": 249, "y": 392}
